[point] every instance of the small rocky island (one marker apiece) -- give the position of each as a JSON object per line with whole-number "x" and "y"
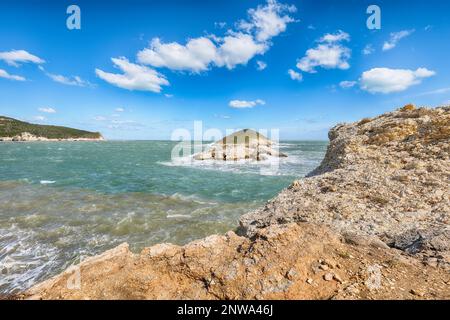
{"x": 245, "y": 144}
{"x": 371, "y": 222}
{"x": 16, "y": 130}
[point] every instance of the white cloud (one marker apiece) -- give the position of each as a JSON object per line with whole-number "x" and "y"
{"x": 347, "y": 84}
{"x": 47, "y": 110}
{"x": 325, "y": 56}
{"x": 368, "y": 49}
{"x": 239, "y": 104}
{"x": 134, "y": 77}
{"x": 6, "y": 75}
{"x": 335, "y": 37}
{"x": 329, "y": 54}
{"x": 167, "y": 95}
{"x": 220, "y": 25}
{"x": 395, "y": 38}
{"x": 99, "y": 118}
{"x": 15, "y": 57}
{"x": 261, "y": 65}
{"x": 295, "y": 75}
{"x": 269, "y": 20}
{"x": 70, "y": 81}
{"x": 437, "y": 91}
{"x": 236, "y": 48}
{"x": 385, "y": 80}
{"x": 39, "y": 118}
{"x": 119, "y": 109}
{"x": 195, "y": 56}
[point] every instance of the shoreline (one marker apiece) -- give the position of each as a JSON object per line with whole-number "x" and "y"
{"x": 54, "y": 140}
{"x": 309, "y": 240}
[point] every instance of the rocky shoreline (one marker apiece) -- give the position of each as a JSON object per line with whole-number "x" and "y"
{"x": 371, "y": 222}
{"x": 28, "y": 137}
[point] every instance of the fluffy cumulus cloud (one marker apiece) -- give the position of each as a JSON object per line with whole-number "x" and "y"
{"x": 195, "y": 56}
{"x": 252, "y": 37}
{"x": 395, "y": 37}
{"x": 385, "y": 80}
{"x": 330, "y": 53}
{"x": 16, "y": 57}
{"x": 133, "y": 76}
{"x": 238, "y": 49}
{"x": 4, "y": 74}
{"x": 240, "y": 104}
{"x": 295, "y": 75}
{"x": 269, "y": 20}
{"x": 47, "y": 110}
{"x": 70, "y": 81}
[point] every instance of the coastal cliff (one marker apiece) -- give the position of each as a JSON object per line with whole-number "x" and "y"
{"x": 19, "y": 131}
{"x": 371, "y": 222}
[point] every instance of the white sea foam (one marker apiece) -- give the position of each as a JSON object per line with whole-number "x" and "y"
{"x": 47, "y": 181}
{"x": 272, "y": 166}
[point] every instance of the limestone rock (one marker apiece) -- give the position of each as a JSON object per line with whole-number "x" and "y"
{"x": 241, "y": 145}
{"x": 384, "y": 181}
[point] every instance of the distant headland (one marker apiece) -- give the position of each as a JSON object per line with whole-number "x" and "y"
{"x": 16, "y": 130}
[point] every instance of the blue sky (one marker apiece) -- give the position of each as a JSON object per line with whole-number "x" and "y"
{"x": 298, "y": 66}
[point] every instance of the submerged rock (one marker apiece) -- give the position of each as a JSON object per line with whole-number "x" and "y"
{"x": 241, "y": 145}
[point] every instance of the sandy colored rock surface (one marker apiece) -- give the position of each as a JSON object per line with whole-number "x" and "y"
{"x": 276, "y": 264}
{"x": 386, "y": 177}
{"x": 372, "y": 222}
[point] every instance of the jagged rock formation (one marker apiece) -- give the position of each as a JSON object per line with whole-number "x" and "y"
{"x": 241, "y": 145}
{"x": 379, "y": 200}
{"x": 386, "y": 177}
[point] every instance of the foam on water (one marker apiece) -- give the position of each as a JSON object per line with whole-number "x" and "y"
{"x": 47, "y": 182}
{"x": 62, "y": 201}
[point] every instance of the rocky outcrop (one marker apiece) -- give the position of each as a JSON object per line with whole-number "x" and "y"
{"x": 294, "y": 261}
{"x": 353, "y": 229}
{"x": 386, "y": 177}
{"x": 242, "y": 145}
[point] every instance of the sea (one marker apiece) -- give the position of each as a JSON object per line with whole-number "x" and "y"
{"x": 61, "y": 202}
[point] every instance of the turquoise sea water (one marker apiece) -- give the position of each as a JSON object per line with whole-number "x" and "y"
{"x": 63, "y": 201}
